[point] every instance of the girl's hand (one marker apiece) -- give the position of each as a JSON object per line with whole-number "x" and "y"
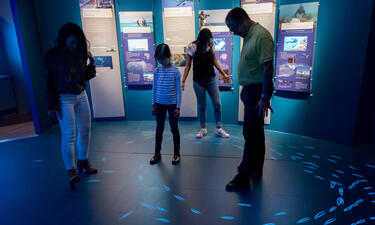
{"x": 177, "y": 112}
{"x": 52, "y": 115}
{"x": 91, "y": 60}
{"x": 227, "y": 77}
{"x": 183, "y": 85}
{"x": 153, "y": 110}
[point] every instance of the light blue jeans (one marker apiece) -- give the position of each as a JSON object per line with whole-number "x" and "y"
{"x": 214, "y": 93}
{"x": 74, "y": 118}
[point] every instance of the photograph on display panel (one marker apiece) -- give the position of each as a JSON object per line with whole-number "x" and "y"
{"x": 210, "y": 18}
{"x": 219, "y": 44}
{"x": 99, "y": 4}
{"x": 296, "y": 43}
{"x": 103, "y": 61}
{"x": 178, "y": 60}
{"x": 136, "y": 22}
{"x": 297, "y": 13}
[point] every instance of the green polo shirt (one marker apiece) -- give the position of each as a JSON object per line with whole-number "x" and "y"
{"x": 257, "y": 49}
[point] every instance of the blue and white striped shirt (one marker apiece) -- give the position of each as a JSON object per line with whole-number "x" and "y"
{"x": 167, "y": 86}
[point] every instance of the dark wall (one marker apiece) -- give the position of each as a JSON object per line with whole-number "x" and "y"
{"x": 11, "y": 62}
{"x": 32, "y": 60}
{"x": 3, "y": 68}
{"x": 50, "y": 16}
{"x": 5, "y": 23}
{"x": 365, "y": 130}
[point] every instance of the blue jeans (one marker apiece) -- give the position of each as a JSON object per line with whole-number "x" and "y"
{"x": 74, "y": 118}
{"x": 211, "y": 87}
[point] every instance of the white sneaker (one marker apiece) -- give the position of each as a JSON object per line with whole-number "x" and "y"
{"x": 201, "y": 133}
{"x": 220, "y": 132}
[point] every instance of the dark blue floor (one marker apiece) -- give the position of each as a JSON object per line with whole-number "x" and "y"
{"x": 305, "y": 181}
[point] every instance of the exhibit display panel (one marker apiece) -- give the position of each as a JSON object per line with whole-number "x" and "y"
{"x": 295, "y": 47}
{"x": 138, "y": 45}
{"x": 99, "y": 25}
{"x": 215, "y": 21}
{"x": 179, "y": 31}
{"x": 263, "y": 12}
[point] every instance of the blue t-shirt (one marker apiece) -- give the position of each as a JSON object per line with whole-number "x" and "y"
{"x": 167, "y": 86}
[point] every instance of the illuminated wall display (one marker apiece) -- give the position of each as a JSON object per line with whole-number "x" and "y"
{"x": 295, "y": 48}
{"x": 99, "y": 25}
{"x": 137, "y": 33}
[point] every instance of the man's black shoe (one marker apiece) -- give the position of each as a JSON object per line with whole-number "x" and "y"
{"x": 257, "y": 173}
{"x": 238, "y": 183}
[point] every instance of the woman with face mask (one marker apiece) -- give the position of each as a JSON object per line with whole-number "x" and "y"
{"x": 202, "y": 53}
{"x": 68, "y": 65}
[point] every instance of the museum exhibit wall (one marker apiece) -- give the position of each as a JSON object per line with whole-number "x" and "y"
{"x": 331, "y": 114}
{"x": 11, "y": 63}
{"x": 138, "y": 103}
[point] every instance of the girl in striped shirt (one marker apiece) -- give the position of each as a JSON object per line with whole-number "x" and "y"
{"x": 166, "y": 97}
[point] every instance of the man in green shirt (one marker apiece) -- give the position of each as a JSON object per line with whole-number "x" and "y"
{"x": 255, "y": 73}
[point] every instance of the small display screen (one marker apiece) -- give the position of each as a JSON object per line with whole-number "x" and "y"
{"x": 137, "y": 45}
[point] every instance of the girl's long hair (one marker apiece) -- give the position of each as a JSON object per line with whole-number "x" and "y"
{"x": 70, "y": 29}
{"x": 162, "y": 50}
{"x": 203, "y": 40}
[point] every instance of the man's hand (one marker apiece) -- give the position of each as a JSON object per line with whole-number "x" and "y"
{"x": 263, "y": 106}
{"x": 177, "y": 112}
{"x": 153, "y": 110}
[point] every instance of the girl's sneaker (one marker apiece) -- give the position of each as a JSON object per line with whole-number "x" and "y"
{"x": 220, "y": 132}
{"x": 155, "y": 159}
{"x": 176, "y": 159}
{"x": 201, "y": 133}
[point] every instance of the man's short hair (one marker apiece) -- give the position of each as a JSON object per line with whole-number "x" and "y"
{"x": 237, "y": 15}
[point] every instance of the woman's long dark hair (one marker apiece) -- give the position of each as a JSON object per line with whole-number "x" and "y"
{"x": 70, "y": 29}
{"x": 203, "y": 40}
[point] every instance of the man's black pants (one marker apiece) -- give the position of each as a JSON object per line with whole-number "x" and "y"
{"x": 253, "y": 132}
